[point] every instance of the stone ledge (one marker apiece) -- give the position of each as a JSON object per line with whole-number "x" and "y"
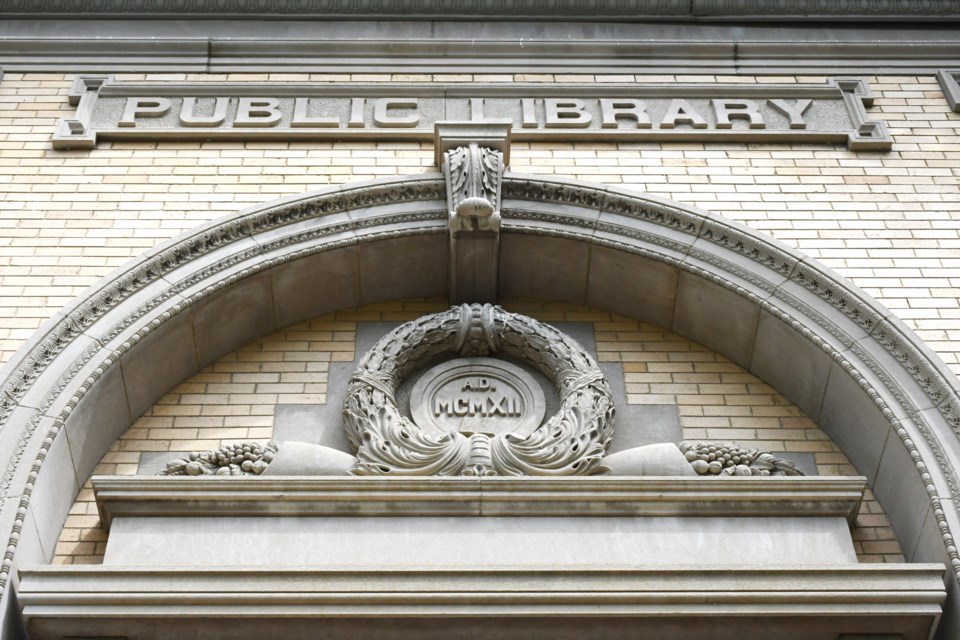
{"x": 673, "y": 602}
{"x": 462, "y": 496}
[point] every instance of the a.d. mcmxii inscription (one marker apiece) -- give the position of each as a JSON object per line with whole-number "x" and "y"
{"x": 477, "y": 395}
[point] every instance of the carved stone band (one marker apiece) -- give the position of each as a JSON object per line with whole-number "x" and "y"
{"x": 571, "y": 442}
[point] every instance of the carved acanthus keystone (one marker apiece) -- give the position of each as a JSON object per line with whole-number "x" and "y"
{"x": 473, "y": 156}
{"x": 473, "y": 174}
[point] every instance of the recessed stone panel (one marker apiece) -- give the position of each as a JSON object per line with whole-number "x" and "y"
{"x": 716, "y": 317}
{"x": 97, "y": 421}
{"x": 854, "y": 422}
{"x": 632, "y": 285}
{"x": 901, "y": 492}
{"x": 791, "y": 364}
{"x": 533, "y": 266}
{"x": 164, "y": 358}
{"x": 315, "y": 285}
{"x": 411, "y": 267}
{"x": 233, "y": 317}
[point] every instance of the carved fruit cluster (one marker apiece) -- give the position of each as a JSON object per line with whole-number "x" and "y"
{"x": 716, "y": 458}
{"x": 240, "y": 459}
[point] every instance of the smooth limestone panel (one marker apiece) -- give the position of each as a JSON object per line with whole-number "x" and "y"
{"x": 854, "y": 422}
{"x": 53, "y": 494}
{"x": 543, "y": 267}
{"x": 410, "y": 267}
{"x": 315, "y": 285}
{"x": 716, "y": 317}
{"x": 97, "y": 421}
{"x": 633, "y": 286}
{"x": 450, "y": 542}
{"x": 901, "y": 491}
{"x": 164, "y": 358}
{"x": 790, "y": 363}
{"x": 233, "y": 316}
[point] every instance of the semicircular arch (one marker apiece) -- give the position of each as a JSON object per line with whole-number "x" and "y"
{"x": 885, "y": 398}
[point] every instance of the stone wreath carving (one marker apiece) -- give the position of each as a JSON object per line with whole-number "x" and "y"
{"x": 571, "y": 442}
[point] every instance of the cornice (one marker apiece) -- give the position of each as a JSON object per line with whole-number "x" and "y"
{"x": 674, "y": 10}
{"x": 479, "y": 45}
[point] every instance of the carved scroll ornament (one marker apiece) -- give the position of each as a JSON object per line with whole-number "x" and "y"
{"x": 571, "y": 442}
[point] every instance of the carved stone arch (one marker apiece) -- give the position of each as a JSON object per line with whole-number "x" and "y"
{"x": 884, "y": 397}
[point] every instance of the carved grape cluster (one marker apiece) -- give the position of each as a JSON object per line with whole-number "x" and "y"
{"x": 726, "y": 458}
{"x": 239, "y": 459}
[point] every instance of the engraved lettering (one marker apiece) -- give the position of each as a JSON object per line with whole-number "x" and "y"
{"x": 627, "y": 109}
{"x": 566, "y": 113}
{"x": 258, "y": 112}
{"x": 793, "y": 111}
{"x": 301, "y": 107}
{"x": 682, "y": 112}
{"x": 727, "y": 110}
{"x": 382, "y": 117}
{"x": 188, "y": 117}
{"x": 143, "y": 108}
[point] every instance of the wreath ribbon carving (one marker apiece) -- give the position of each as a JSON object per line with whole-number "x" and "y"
{"x": 571, "y": 442}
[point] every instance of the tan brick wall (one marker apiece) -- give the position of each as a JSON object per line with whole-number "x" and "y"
{"x": 888, "y": 221}
{"x": 234, "y": 399}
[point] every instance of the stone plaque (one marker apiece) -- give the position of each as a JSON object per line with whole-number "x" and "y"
{"x": 478, "y": 395}
{"x": 831, "y": 112}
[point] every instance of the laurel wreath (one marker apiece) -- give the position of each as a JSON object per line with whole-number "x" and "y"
{"x": 571, "y": 442}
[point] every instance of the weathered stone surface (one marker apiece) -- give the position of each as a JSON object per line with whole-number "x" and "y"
{"x": 662, "y": 459}
{"x": 716, "y": 317}
{"x": 571, "y": 442}
{"x": 305, "y": 459}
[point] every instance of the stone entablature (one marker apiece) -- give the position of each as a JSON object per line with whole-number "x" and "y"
{"x": 515, "y": 555}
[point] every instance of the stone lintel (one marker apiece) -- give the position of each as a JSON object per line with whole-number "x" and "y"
{"x": 814, "y": 603}
{"x": 473, "y": 496}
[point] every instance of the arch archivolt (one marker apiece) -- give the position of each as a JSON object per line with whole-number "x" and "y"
{"x": 882, "y": 396}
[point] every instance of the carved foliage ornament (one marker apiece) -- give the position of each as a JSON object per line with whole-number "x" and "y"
{"x": 571, "y": 442}
{"x": 473, "y": 176}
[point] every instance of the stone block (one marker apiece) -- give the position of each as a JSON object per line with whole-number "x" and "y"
{"x": 233, "y": 317}
{"x": 791, "y": 364}
{"x": 53, "y": 494}
{"x": 164, "y": 358}
{"x": 97, "y": 421}
{"x": 854, "y": 422}
{"x": 900, "y": 490}
{"x": 410, "y": 267}
{"x": 543, "y": 267}
{"x": 662, "y": 459}
{"x": 448, "y": 543}
{"x": 632, "y": 285}
{"x": 304, "y": 459}
{"x": 315, "y": 285}
{"x": 716, "y": 317}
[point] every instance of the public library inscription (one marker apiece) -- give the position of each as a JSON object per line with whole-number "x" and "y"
{"x": 828, "y": 113}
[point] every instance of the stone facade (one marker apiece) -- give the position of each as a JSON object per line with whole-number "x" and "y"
{"x": 888, "y": 221}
